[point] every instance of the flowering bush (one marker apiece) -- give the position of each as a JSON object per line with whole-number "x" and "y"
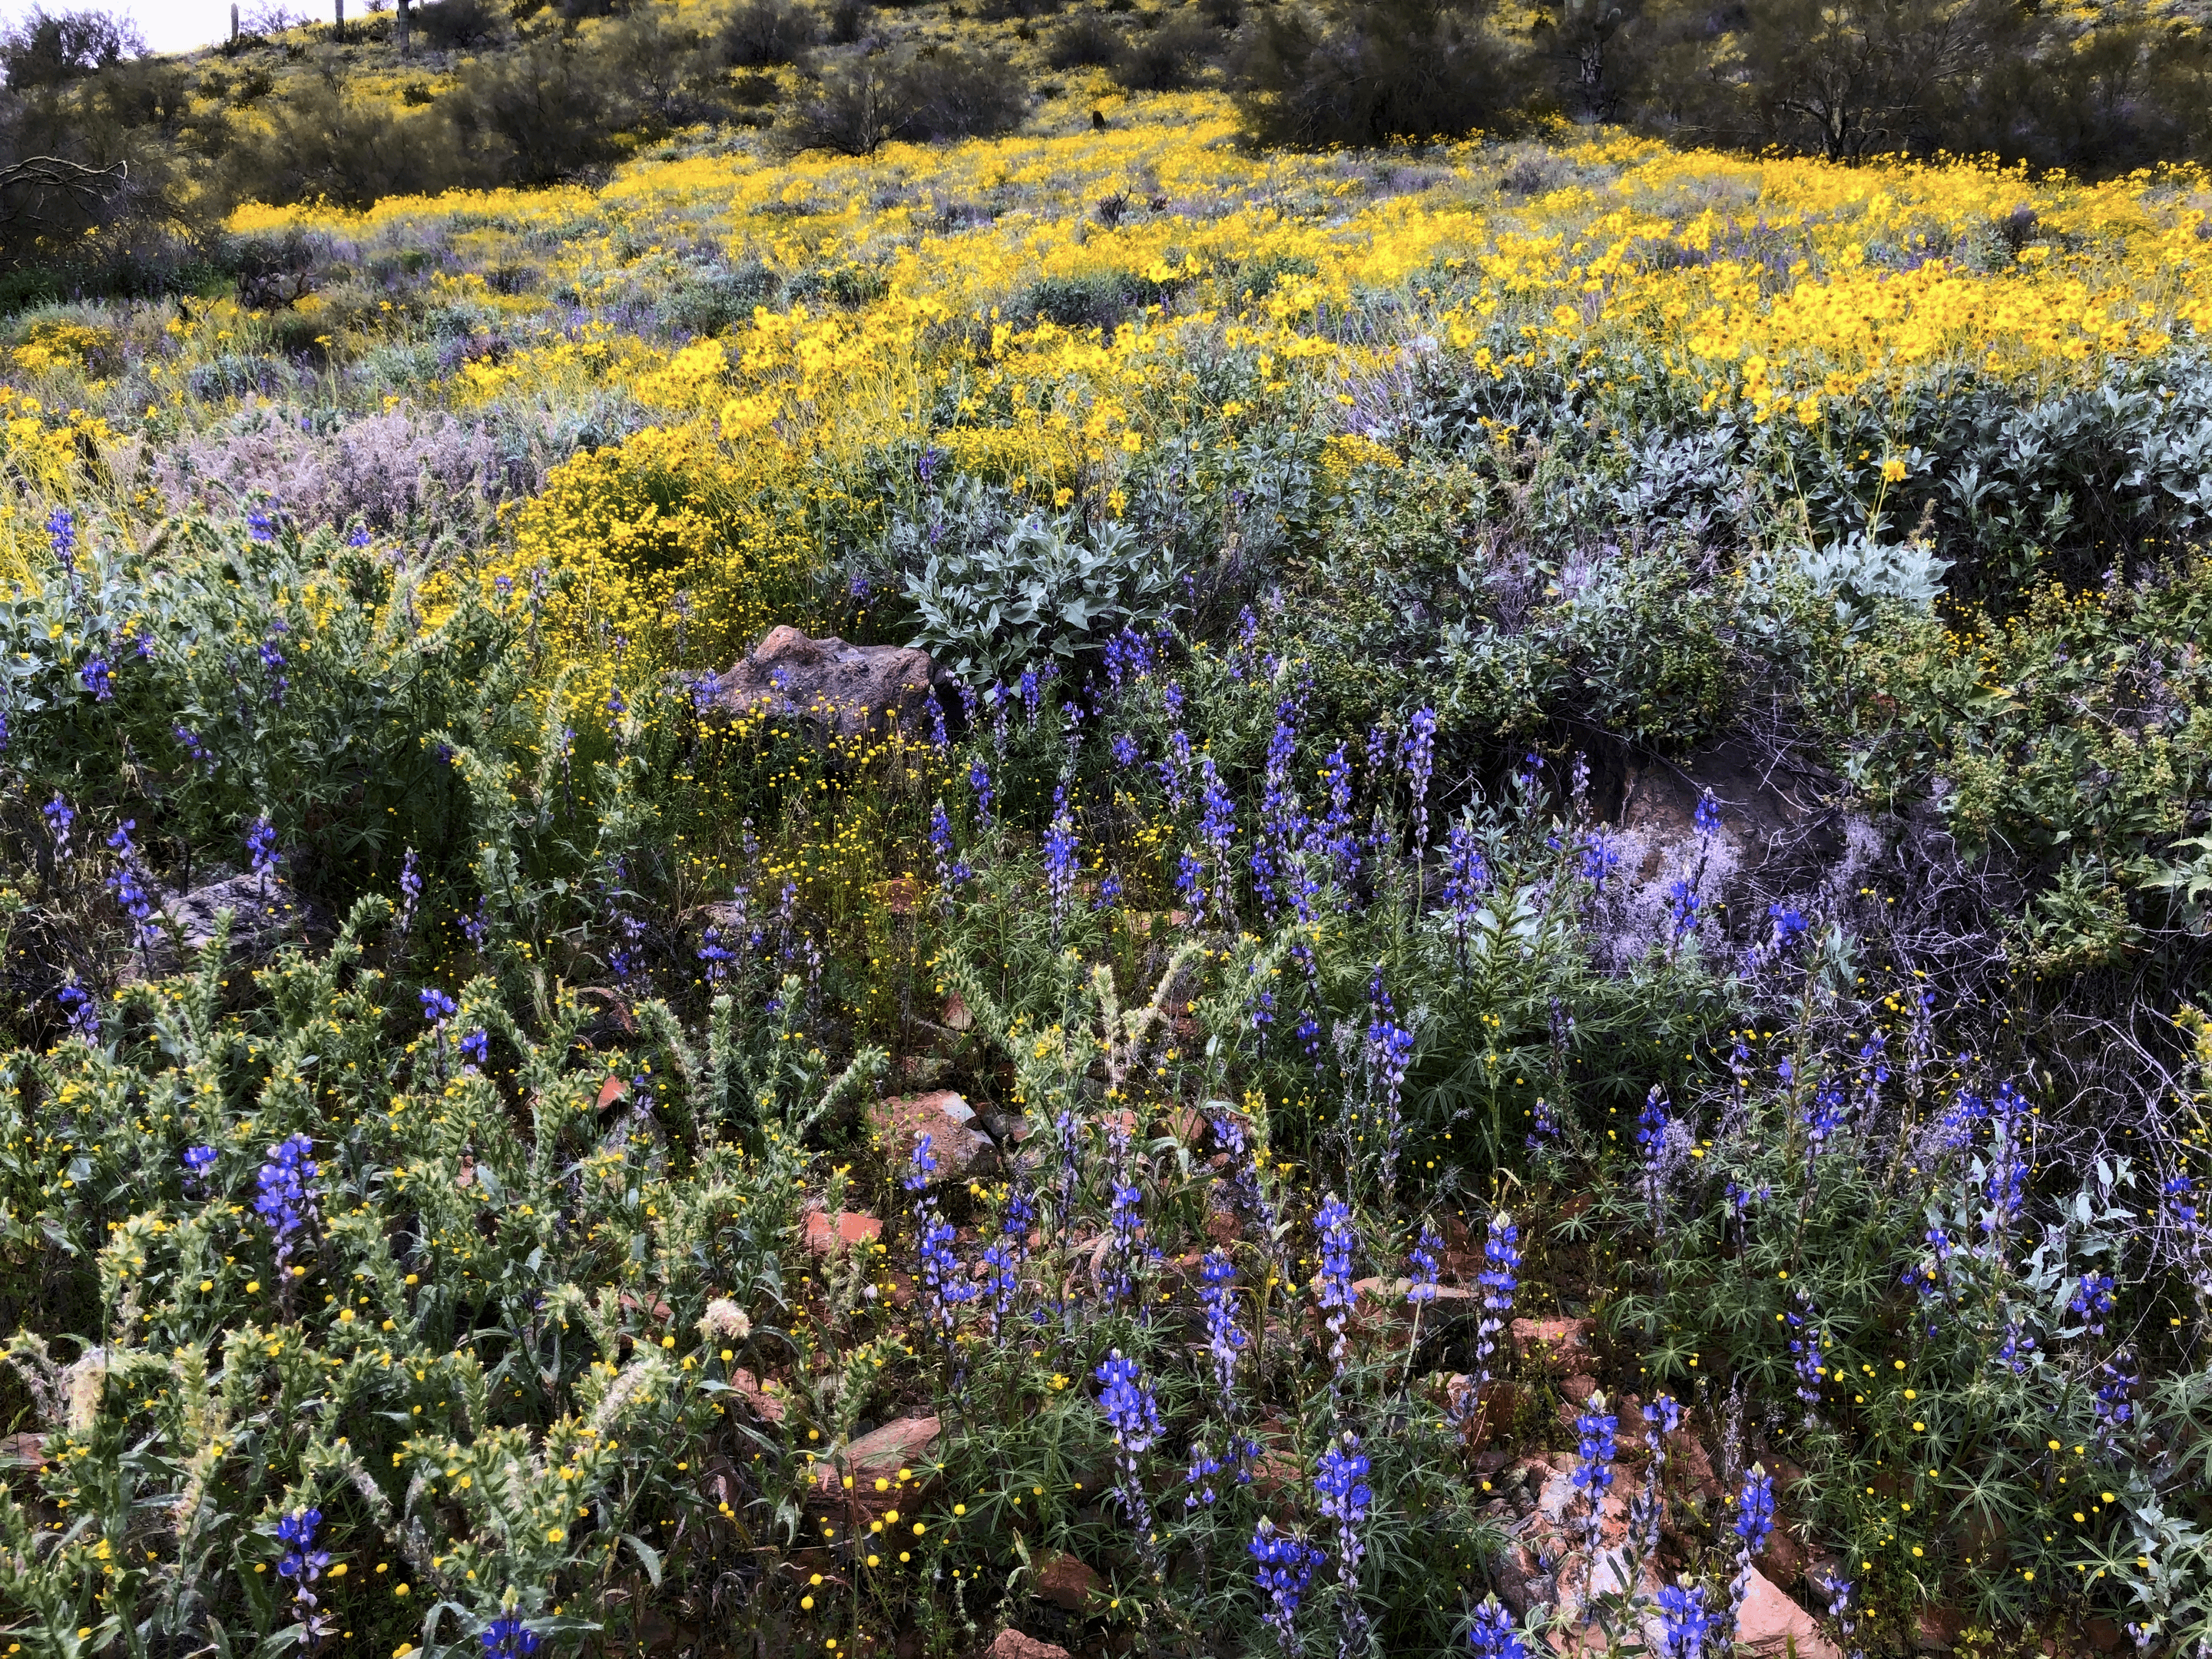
{"x": 1545, "y": 953}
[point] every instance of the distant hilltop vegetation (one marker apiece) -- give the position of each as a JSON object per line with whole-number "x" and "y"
{"x": 118, "y": 167}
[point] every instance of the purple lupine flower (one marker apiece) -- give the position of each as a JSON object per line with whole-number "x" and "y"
{"x": 1419, "y": 758}
{"x": 2016, "y": 1348}
{"x": 508, "y": 1637}
{"x": 287, "y": 1199}
{"x": 1190, "y": 884}
{"x": 1653, "y": 1127}
{"x": 1682, "y": 906}
{"x": 1824, "y": 1116}
{"x": 951, "y": 870}
{"x": 1124, "y": 748}
{"x": 2005, "y": 1184}
{"x": 1837, "y": 1590}
{"x": 1423, "y": 1258}
{"x": 1808, "y": 1359}
{"x": 1198, "y": 1480}
{"x": 2114, "y": 1403}
{"x": 61, "y": 536}
{"x": 476, "y": 1047}
{"x": 129, "y": 887}
{"x": 411, "y": 893}
{"x": 1467, "y": 876}
{"x": 1334, "y": 1280}
{"x": 1224, "y": 1340}
{"x": 60, "y": 818}
{"x": 1124, "y": 1222}
{"x": 1335, "y": 834}
{"x": 1217, "y": 824}
{"x": 2180, "y": 1211}
{"x": 1174, "y": 767}
{"x": 1493, "y": 1635}
{"x": 1285, "y": 1571}
{"x": 1662, "y": 1415}
{"x": 1707, "y": 818}
{"x": 1340, "y": 1485}
{"x": 437, "y": 1006}
{"x": 1545, "y": 1128}
{"x": 1595, "y": 1449}
{"x": 81, "y": 1008}
{"x": 1599, "y": 860}
{"x": 1686, "y": 1626}
{"x": 303, "y": 1562}
{"x": 2092, "y": 1300}
{"x": 261, "y": 522}
{"x": 1134, "y": 1416}
{"x": 717, "y": 956}
{"x": 1500, "y": 1279}
{"x": 199, "y": 1161}
{"x": 261, "y": 847}
{"x": 1389, "y": 1054}
{"x": 979, "y": 781}
{"x": 98, "y": 679}
{"x": 1059, "y": 850}
{"x": 1755, "y": 1519}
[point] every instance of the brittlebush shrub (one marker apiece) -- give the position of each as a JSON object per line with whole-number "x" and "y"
{"x": 661, "y": 554}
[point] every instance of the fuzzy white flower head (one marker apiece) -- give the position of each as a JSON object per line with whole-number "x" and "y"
{"x": 724, "y": 1319}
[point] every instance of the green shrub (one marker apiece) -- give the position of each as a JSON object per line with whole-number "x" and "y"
{"x": 1040, "y": 594}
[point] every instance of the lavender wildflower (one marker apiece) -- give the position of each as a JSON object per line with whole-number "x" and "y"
{"x": 1334, "y": 1282}
{"x": 1224, "y": 1341}
{"x": 303, "y": 1564}
{"x": 1134, "y": 1415}
{"x": 1419, "y": 756}
{"x": 1341, "y": 1482}
{"x": 2092, "y": 1300}
{"x": 2114, "y": 1404}
{"x": 1755, "y": 1519}
{"x": 1662, "y": 1415}
{"x": 508, "y": 1637}
{"x": 1686, "y": 1626}
{"x": 1059, "y": 849}
{"x": 979, "y": 781}
{"x": 1807, "y": 1356}
{"x": 261, "y": 849}
{"x": 82, "y": 1009}
{"x": 1390, "y": 1055}
{"x": 1595, "y": 1449}
{"x": 1500, "y": 1279}
{"x": 1198, "y": 1479}
{"x": 129, "y": 887}
{"x": 199, "y": 1161}
{"x": 411, "y": 893}
{"x": 1284, "y": 1570}
{"x": 1423, "y": 1258}
{"x": 1493, "y": 1635}
{"x": 60, "y": 818}
{"x": 287, "y": 1201}
{"x": 97, "y": 679}
{"x": 61, "y": 536}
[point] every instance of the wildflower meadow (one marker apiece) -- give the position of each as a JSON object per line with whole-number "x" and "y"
{"x": 1102, "y": 892}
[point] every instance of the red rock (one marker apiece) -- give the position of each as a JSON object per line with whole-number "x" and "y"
{"x": 1939, "y": 1629}
{"x": 879, "y": 1455}
{"x": 827, "y": 1236}
{"x": 1686, "y": 1454}
{"x": 1579, "y": 1388}
{"x": 1559, "y": 1345}
{"x": 1012, "y": 1644}
{"x": 901, "y": 1121}
{"x": 2103, "y": 1635}
{"x": 1222, "y": 1226}
{"x": 957, "y": 1018}
{"x": 1783, "y": 1558}
{"x": 1776, "y": 1627}
{"x": 765, "y": 1405}
{"x": 1066, "y": 1582}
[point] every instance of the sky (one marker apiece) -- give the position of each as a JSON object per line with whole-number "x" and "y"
{"x": 167, "y": 25}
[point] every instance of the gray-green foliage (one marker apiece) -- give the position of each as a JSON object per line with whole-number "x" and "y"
{"x": 1043, "y": 591}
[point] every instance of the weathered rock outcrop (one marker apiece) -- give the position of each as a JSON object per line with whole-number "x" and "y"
{"x": 834, "y": 689}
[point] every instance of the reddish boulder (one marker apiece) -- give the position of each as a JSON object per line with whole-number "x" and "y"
{"x": 831, "y": 1235}
{"x": 961, "y": 1149}
{"x": 1066, "y": 1583}
{"x": 1558, "y": 1345}
{"x": 1012, "y": 1644}
{"x": 1775, "y": 1626}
